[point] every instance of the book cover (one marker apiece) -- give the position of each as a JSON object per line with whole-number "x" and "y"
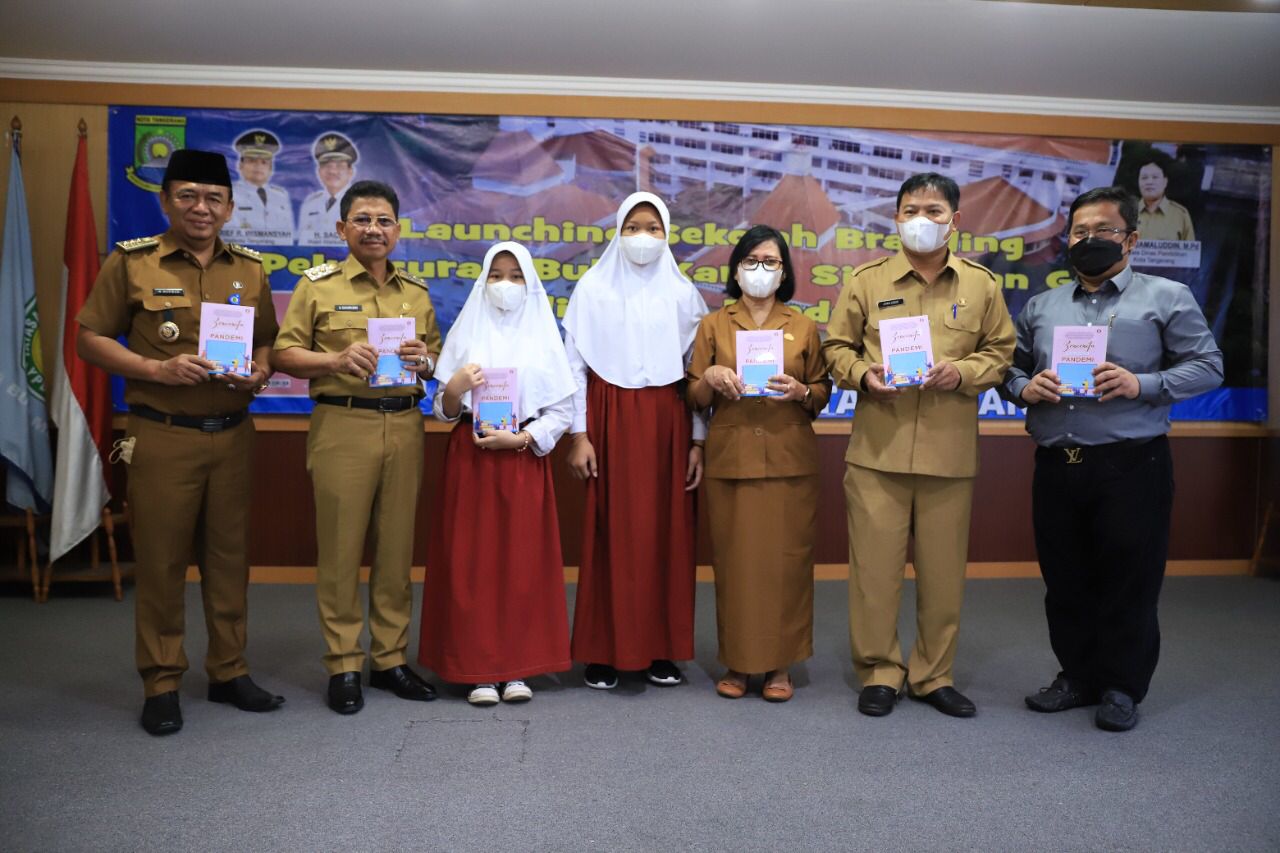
{"x": 1077, "y": 350}
{"x": 760, "y": 357}
{"x": 226, "y": 337}
{"x": 908, "y": 350}
{"x": 386, "y": 336}
{"x": 494, "y": 404}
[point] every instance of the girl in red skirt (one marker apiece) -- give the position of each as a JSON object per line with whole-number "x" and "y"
{"x": 493, "y": 608}
{"x": 629, "y": 327}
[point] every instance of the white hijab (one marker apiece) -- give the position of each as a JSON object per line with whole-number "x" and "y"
{"x": 633, "y": 324}
{"x": 525, "y": 338}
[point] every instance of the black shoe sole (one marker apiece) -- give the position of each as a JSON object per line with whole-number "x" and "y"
{"x": 161, "y": 731}
{"x": 346, "y": 710}
{"x": 253, "y": 709}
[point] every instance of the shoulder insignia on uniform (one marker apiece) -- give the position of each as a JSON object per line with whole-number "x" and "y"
{"x": 137, "y": 243}
{"x": 245, "y": 251}
{"x": 412, "y": 279}
{"x": 869, "y": 264}
{"x": 979, "y": 266}
{"x": 323, "y": 271}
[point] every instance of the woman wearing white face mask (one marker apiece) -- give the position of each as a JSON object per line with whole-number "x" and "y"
{"x": 762, "y": 470}
{"x": 628, "y": 327}
{"x": 493, "y": 602}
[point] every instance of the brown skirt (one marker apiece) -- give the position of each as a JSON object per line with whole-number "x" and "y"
{"x": 762, "y": 543}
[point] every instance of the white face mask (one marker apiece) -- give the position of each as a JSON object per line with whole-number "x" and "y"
{"x": 504, "y": 295}
{"x": 921, "y": 234}
{"x": 759, "y": 282}
{"x": 642, "y": 249}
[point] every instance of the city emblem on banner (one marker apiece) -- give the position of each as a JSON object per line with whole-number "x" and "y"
{"x": 154, "y": 139}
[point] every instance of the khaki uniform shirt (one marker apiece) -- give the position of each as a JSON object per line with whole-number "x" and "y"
{"x": 330, "y": 310}
{"x": 1169, "y": 221}
{"x": 920, "y": 432}
{"x": 755, "y": 437}
{"x": 152, "y": 280}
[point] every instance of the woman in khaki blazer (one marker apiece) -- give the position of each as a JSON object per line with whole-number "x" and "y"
{"x": 761, "y": 470}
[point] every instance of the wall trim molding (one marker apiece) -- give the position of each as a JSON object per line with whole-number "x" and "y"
{"x": 616, "y": 87}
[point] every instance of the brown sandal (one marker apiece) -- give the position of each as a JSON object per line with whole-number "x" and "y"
{"x": 730, "y": 688}
{"x": 777, "y": 692}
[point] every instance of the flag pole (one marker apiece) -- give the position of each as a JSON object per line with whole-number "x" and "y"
{"x": 15, "y": 133}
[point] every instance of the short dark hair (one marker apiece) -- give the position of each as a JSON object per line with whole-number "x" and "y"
{"x": 1119, "y": 196}
{"x": 756, "y": 235}
{"x": 931, "y": 181}
{"x": 368, "y": 189}
{"x": 1161, "y": 163}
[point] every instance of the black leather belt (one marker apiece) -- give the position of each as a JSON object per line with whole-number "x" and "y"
{"x": 213, "y": 423}
{"x": 378, "y": 404}
{"x": 1093, "y": 452}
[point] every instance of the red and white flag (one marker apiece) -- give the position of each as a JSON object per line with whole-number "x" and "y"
{"x": 81, "y": 394}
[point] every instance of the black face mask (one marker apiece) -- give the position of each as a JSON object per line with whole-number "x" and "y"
{"x": 1095, "y": 255}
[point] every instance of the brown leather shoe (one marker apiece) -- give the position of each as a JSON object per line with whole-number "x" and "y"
{"x": 731, "y": 688}
{"x": 777, "y": 692}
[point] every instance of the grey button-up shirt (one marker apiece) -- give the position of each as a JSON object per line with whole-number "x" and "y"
{"x": 1158, "y": 333}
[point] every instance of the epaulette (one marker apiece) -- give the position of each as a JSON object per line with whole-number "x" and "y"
{"x": 138, "y": 243}
{"x": 979, "y": 266}
{"x": 869, "y": 264}
{"x": 245, "y": 251}
{"x": 323, "y": 271}
{"x": 413, "y": 279}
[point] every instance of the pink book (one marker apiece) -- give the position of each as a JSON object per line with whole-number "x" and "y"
{"x": 907, "y": 349}
{"x": 226, "y": 337}
{"x": 1077, "y": 350}
{"x": 495, "y": 403}
{"x": 760, "y": 357}
{"x": 386, "y": 334}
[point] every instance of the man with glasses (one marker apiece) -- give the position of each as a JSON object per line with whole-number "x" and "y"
{"x": 913, "y": 454}
{"x": 1103, "y": 487}
{"x": 188, "y": 442}
{"x": 365, "y": 445}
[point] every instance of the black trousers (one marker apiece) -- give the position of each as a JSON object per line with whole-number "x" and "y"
{"x": 1101, "y": 517}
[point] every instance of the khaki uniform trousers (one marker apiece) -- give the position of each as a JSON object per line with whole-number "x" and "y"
{"x": 189, "y": 497}
{"x": 884, "y": 510}
{"x": 365, "y": 466}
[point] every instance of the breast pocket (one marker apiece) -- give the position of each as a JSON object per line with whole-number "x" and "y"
{"x": 1135, "y": 345}
{"x": 871, "y": 343}
{"x": 336, "y": 330}
{"x": 960, "y": 333}
{"x": 169, "y": 321}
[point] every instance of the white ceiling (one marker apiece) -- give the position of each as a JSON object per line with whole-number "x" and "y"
{"x": 960, "y": 46}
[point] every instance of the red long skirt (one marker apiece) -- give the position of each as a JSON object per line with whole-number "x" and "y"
{"x": 636, "y": 582}
{"x": 493, "y": 600}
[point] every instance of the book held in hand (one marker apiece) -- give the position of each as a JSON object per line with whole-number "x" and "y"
{"x": 1077, "y": 350}
{"x": 760, "y": 357}
{"x": 387, "y": 335}
{"x": 226, "y": 337}
{"x": 494, "y": 404}
{"x": 908, "y": 350}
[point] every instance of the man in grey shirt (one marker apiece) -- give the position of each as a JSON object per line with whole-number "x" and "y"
{"x": 1103, "y": 486}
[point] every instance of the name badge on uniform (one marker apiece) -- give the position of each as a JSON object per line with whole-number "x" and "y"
{"x": 168, "y": 291}
{"x": 890, "y": 303}
{"x": 169, "y": 331}
{"x": 348, "y": 308}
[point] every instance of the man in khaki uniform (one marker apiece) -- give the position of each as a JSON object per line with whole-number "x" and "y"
{"x": 1160, "y": 217}
{"x": 365, "y": 446}
{"x": 190, "y": 440}
{"x": 914, "y": 451}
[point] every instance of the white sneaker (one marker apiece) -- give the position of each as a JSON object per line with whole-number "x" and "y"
{"x": 516, "y": 691}
{"x": 483, "y": 694}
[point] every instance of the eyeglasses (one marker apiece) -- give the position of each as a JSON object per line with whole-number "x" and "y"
{"x": 1105, "y": 233}
{"x": 190, "y": 198}
{"x": 770, "y": 264}
{"x": 364, "y": 223}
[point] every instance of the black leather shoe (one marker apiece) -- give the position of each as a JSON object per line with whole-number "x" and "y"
{"x": 345, "y": 696}
{"x": 949, "y": 701}
{"x": 877, "y": 700}
{"x": 161, "y": 714}
{"x": 1063, "y": 695}
{"x": 1117, "y": 713}
{"x": 244, "y": 694}
{"x": 403, "y": 682}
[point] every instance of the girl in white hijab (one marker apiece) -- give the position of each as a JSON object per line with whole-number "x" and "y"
{"x": 493, "y": 601}
{"x": 629, "y": 328}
